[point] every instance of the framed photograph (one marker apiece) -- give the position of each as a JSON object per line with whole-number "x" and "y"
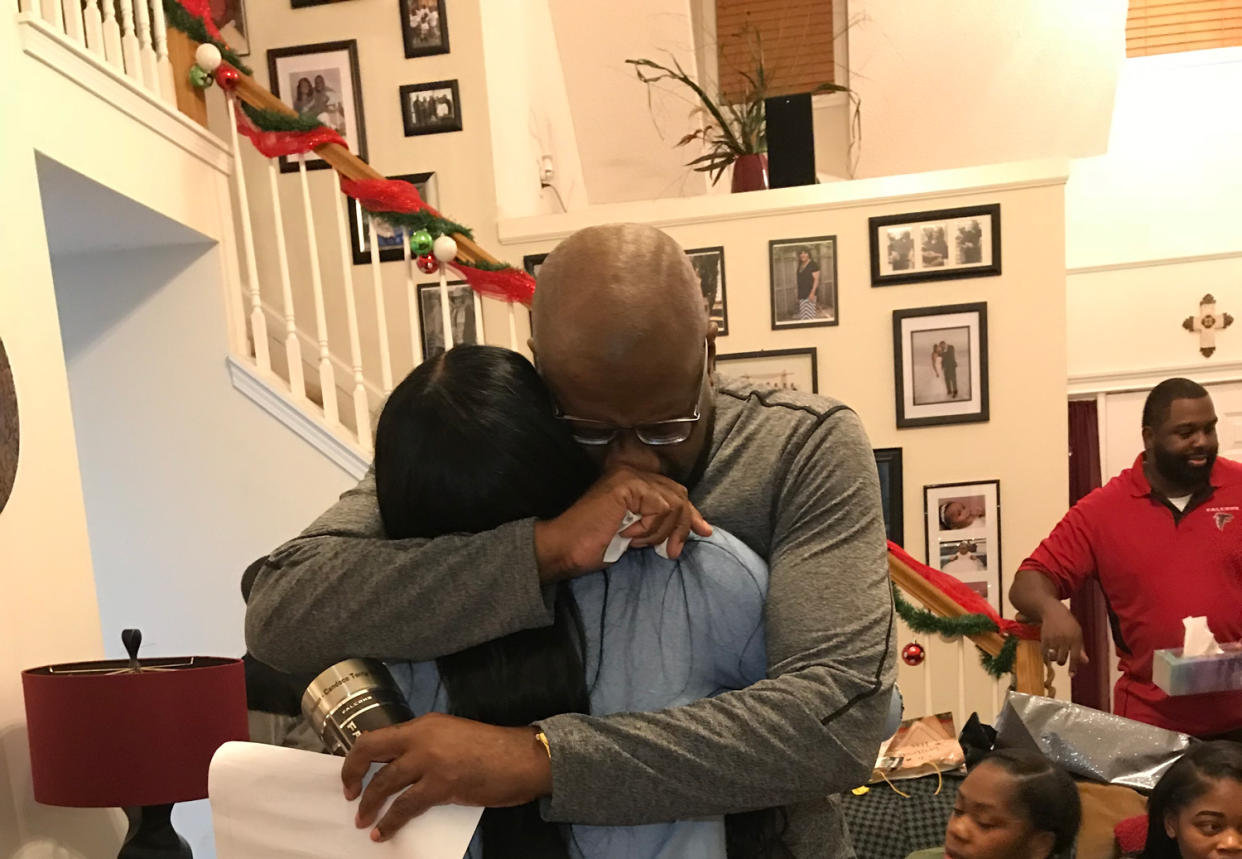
{"x": 963, "y": 535}
{"x": 391, "y": 240}
{"x": 942, "y": 245}
{"x": 431, "y": 108}
{"x": 532, "y": 262}
{"x": 804, "y": 281}
{"x": 321, "y": 81}
{"x": 424, "y": 28}
{"x": 709, "y": 266}
{"x": 888, "y": 464}
{"x": 940, "y": 361}
{"x": 229, "y": 16}
{"x": 461, "y": 316}
{"x": 778, "y": 369}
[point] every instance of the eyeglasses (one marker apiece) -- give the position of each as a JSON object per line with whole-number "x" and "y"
{"x": 657, "y": 434}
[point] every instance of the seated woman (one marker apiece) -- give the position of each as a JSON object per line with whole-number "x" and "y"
{"x": 467, "y": 442}
{"x": 1195, "y": 812}
{"x": 1014, "y": 805}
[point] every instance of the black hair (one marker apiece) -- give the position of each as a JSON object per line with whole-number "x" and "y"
{"x": 1184, "y": 782}
{"x": 466, "y": 443}
{"x": 1048, "y": 796}
{"x": 1160, "y": 400}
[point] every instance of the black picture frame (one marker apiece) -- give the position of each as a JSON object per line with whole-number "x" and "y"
{"x": 919, "y": 402}
{"x": 892, "y": 495}
{"x": 356, "y": 138}
{"x": 430, "y": 323}
{"x": 982, "y": 536}
{"x": 415, "y": 46}
{"x": 933, "y": 259}
{"x": 782, "y": 282}
{"x": 415, "y": 127}
{"x": 780, "y": 356}
{"x": 305, "y": 4}
{"x": 390, "y": 250}
{"x": 709, "y": 266}
{"x": 531, "y": 263}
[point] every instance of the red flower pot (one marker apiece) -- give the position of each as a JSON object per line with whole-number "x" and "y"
{"x": 750, "y": 173}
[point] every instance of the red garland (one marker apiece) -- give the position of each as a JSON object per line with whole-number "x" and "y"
{"x": 275, "y": 143}
{"x": 508, "y": 284}
{"x": 964, "y": 596}
{"x": 201, "y": 9}
{"x": 386, "y": 195}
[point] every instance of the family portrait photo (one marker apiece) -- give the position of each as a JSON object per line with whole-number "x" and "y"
{"x": 391, "y": 239}
{"x": 963, "y": 535}
{"x": 774, "y": 369}
{"x": 430, "y": 108}
{"x": 803, "y": 281}
{"x": 940, "y": 364}
{"x": 709, "y": 267}
{"x": 461, "y": 316}
{"x": 939, "y": 245}
{"x": 321, "y": 82}
{"x": 424, "y": 28}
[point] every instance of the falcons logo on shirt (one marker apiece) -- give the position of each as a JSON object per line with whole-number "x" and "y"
{"x": 1223, "y": 519}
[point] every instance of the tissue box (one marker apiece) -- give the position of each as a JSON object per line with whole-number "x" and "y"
{"x": 1192, "y": 675}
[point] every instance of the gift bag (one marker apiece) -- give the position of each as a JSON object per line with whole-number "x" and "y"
{"x": 920, "y": 747}
{"x": 1088, "y": 742}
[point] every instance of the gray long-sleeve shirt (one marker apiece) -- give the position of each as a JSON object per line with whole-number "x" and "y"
{"x": 792, "y": 476}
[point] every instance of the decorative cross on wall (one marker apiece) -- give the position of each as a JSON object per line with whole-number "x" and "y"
{"x": 1207, "y": 323}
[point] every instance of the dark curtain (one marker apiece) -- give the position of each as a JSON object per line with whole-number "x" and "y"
{"x": 1090, "y": 685}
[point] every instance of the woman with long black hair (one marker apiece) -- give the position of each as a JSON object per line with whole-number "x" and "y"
{"x": 468, "y": 442}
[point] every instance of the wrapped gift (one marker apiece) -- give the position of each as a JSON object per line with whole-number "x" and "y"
{"x": 1088, "y": 742}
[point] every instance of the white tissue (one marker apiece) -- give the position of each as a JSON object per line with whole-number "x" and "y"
{"x": 618, "y": 545}
{"x": 1199, "y": 640}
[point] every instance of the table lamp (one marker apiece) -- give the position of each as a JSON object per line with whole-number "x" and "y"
{"x": 139, "y": 735}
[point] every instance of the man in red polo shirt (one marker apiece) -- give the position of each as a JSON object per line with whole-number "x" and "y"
{"x": 1164, "y": 539}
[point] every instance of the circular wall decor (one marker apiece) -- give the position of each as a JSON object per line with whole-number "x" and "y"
{"x": 8, "y": 428}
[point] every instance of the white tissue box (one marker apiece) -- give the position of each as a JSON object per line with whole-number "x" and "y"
{"x": 1193, "y": 675}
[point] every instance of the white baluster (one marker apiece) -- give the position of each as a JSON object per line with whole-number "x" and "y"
{"x": 293, "y": 348}
{"x": 996, "y": 695}
{"x": 446, "y": 316}
{"x": 146, "y": 45}
{"x": 26, "y": 7}
{"x": 72, "y": 11}
{"x": 258, "y": 321}
{"x": 411, "y": 291}
{"x": 362, "y": 409}
{"x": 513, "y": 341}
{"x": 130, "y": 47}
{"x": 113, "y": 51}
{"x": 93, "y": 25}
{"x": 167, "y": 86}
{"x": 327, "y": 378}
{"x": 381, "y": 316}
{"x": 54, "y": 14}
{"x": 962, "y": 712}
{"x": 478, "y": 317}
{"x": 927, "y": 680}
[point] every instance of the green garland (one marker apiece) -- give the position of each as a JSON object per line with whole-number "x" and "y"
{"x": 274, "y": 120}
{"x": 180, "y": 19}
{"x": 414, "y": 221}
{"x": 922, "y": 620}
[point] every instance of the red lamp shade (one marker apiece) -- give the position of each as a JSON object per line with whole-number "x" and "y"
{"x": 103, "y": 736}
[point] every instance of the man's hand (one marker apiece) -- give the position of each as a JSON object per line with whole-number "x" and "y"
{"x": 574, "y": 542}
{"x": 1061, "y": 638}
{"x": 442, "y": 760}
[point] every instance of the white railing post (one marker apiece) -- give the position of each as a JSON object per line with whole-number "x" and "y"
{"x": 962, "y": 712}
{"x": 381, "y": 316}
{"x": 27, "y": 7}
{"x": 513, "y": 338}
{"x": 146, "y": 45}
{"x": 362, "y": 408}
{"x": 446, "y": 315}
{"x": 411, "y": 289}
{"x": 130, "y": 48}
{"x": 327, "y": 379}
{"x": 478, "y": 316}
{"x": 113, "y": 51}
{"x": 93, "y": 23}
{"x": 166, "y": 85}
{"x": 293, "y": 347}
{"x": 258, "y": 321}
{"x": 54, "y": 14}
{"x": 72, "y": 11}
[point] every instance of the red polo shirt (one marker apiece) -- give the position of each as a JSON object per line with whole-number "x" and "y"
{"x": 1157, "y": 566}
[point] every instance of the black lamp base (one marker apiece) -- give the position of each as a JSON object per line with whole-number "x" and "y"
{"x": 151, "y": 834}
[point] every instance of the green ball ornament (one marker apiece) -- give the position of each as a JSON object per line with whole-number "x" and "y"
{"x": 421, "y": 243}
{"x": 200, "y": 77}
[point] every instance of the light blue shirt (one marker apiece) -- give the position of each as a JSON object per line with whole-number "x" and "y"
{"x": 672, "y": 632}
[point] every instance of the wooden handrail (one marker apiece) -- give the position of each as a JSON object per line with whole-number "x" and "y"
{"x": 1028, "y": 663}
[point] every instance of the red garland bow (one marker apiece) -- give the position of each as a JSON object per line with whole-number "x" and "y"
{"x": 508, "y": 284}
{"x": 201, "y": 9}
{"x": 275, "y": 143}
{"x": 386, "y": 195}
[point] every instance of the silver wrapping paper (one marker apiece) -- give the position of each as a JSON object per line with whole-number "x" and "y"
{"x": 1089, "y": 743}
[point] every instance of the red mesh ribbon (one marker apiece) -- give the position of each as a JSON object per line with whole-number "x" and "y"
{"x": 963, "y": 596}
{"x": 201, "y": 9}
{"x": 276, "y": 143}
{"x": 509, "y": 284}
{"x": 386, "y": 195}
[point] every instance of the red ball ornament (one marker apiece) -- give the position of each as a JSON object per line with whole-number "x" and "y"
{"x": 428, "y": 264}
{"x": 227, "y": 77}
{"x": 913, "y": 654}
